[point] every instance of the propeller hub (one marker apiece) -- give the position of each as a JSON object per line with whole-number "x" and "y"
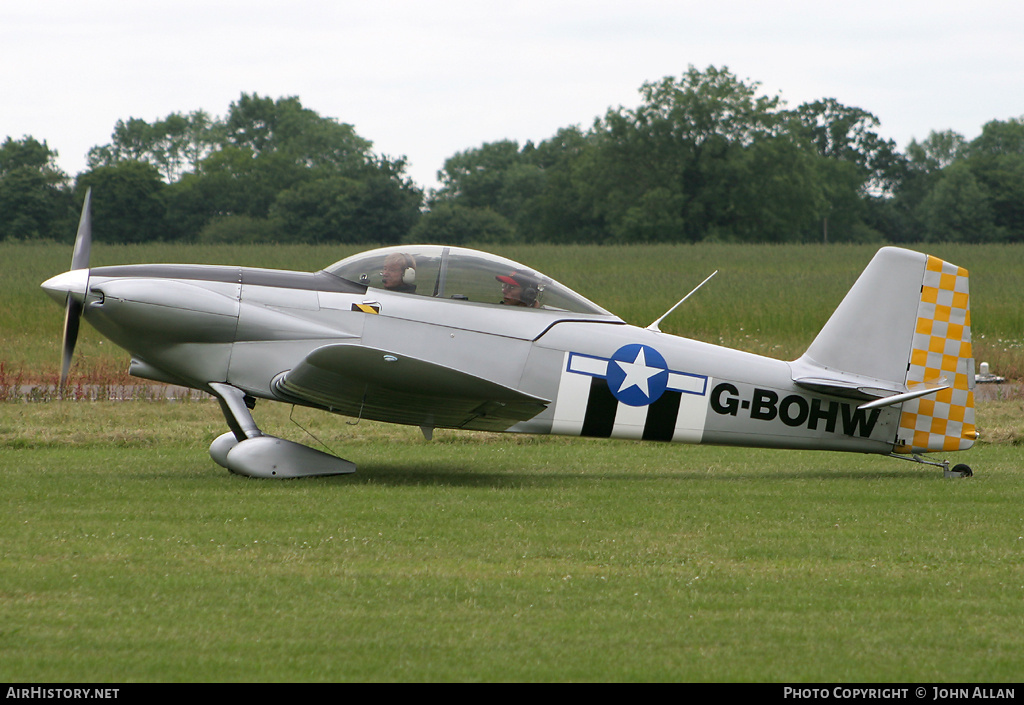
{"x": 75, "y": 283}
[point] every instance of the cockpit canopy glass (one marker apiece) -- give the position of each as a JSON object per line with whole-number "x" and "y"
{"x": 460, "y": 274}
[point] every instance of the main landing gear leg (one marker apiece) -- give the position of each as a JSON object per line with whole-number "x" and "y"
{"x": 959, "y": 470}
{"x": 245, "y": 450}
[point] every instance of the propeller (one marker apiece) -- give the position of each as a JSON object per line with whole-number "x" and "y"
{"x": 74, "y": 307}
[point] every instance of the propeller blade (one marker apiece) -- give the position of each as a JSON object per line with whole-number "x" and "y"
{"x": 72, "y": 314}
{"x": 83, "y": 240}
{"x": 74, "y": 308}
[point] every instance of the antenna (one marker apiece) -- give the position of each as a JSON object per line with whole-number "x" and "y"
{"x": 654, "y": 326}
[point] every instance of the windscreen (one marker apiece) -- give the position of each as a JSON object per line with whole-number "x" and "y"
{"x": 461, "y": 274}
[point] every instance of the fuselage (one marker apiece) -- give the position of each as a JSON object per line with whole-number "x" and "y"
{"x": 598, "y": 376}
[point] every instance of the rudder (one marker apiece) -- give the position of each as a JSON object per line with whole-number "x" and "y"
{"x": 941, "y": 349}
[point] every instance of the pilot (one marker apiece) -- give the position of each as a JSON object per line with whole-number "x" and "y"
{"x": 519, "y": 289}
{"x": 399, "y": 273}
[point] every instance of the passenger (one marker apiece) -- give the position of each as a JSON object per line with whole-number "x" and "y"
{"x": 399, "y": 273}
{"x": 519, "y": 290}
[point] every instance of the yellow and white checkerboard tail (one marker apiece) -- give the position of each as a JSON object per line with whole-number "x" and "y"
{"x": 940, "y": 353}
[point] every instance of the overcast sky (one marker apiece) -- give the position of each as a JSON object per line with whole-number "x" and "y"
{"x": 429, "y": 78}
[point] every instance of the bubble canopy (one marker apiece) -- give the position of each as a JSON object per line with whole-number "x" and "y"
{"x": 462, "y": 275}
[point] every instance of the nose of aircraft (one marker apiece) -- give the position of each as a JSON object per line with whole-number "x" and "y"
{"x": 74, "y": 282}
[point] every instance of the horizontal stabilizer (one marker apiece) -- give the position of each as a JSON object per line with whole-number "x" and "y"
{"x": 840, "y": 384}
{"x": 900, "y": 398}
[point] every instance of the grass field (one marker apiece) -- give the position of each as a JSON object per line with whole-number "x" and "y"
{"x": 127, "y": 555}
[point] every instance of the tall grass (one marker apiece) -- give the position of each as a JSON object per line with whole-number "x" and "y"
{"x": 768, "y": 299}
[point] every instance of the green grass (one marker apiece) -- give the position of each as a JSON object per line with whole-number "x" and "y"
{"x": 127, "y": 555}
{"x": 768, "y": 299}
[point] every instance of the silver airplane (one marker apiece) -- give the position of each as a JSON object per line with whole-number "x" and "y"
{"x": 448, "y": 337}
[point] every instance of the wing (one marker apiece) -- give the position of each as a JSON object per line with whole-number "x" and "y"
{"x": 365, "y": 382}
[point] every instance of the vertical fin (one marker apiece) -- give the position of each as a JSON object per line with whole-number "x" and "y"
{"x": 941, "y": 348}
{"x": 869, "y": 333}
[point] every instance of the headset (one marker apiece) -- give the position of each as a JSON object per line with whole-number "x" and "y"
{"x": 408, "y": 270}
{"x": 529, "y": 295}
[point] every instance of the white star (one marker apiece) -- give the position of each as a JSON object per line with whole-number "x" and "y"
{"x": 637, "y": 374}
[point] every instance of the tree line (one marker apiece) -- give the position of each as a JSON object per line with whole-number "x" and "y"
{"x": 703, "y": 157}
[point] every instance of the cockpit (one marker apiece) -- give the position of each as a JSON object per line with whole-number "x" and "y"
{"x": 460, "y": 274}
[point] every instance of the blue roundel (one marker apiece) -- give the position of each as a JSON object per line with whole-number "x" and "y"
{"x": 637, "y": 374}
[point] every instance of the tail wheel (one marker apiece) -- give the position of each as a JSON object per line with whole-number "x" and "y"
{"x": 963, "y": 470}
